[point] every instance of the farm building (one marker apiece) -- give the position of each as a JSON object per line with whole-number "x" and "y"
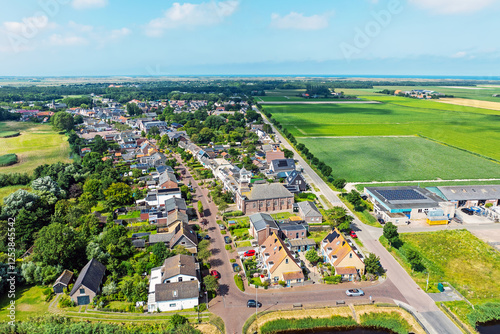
{"x": 63, "y": 281}
{"x": 468, "y": 196}
{"x": 398, "y": 204}
{"x": 88, "y": 284}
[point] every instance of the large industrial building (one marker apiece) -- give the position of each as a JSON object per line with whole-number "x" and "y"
{"x": 469, "y": 196}
{"x": 399, "y": 204}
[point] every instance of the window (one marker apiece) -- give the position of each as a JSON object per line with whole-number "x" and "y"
{"x": 192, "y": 279}
{"x": 254, "y": 205}
{"x": 286, "y": 261}
{"x": 180, "y": 279}
{"x": 350, "y": 255}
{"x": 82, "y": 291}
{"x": 282, "y": 202}
{"x": 276, "y": 278}
{"x": 172, "y": 305}
{"x": 168, "y": 281}
{"x": 299, "y": 280}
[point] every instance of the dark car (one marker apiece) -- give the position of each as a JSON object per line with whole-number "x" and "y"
{"x": 206, "y": 237}
{"x": 467, "y": 211}
{"x": 253, "y": 303}
{"x": 227, "y": 239}
{"x": 236, "y": 267}
{"x": 381, "y": 221}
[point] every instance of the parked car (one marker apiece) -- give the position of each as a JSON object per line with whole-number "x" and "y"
{"x": 250, "y": 252}
{"x": 253, "y": 303}
{"x": 467, "y": 211}
{"x": 215, "y": 273}
{"x": 227, "y": 239}
{"x": 222, "y": 226}
{"x": 236, "y": 267}
{"x": 206, "y": 237}
{"x": 354, "y": 292}
{"x": 381, "y": 221}
{"x": 353, "y": 234}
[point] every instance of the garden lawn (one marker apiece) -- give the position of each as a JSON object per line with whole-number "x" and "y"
{"x": 368, "y": 159}
{"x": 38, "y": 144}
{"x": 459, "y": 257}
{"x": 281, "y": 215}
{"x": 239, "y": 232}
{"x": 30, "y": 302}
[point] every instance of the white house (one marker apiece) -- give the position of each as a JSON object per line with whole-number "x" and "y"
{"x": 174, "y": 285}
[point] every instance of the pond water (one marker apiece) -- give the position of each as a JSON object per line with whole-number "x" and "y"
{"x": 489, "y": 328}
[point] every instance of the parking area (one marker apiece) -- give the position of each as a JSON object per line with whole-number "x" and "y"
{"x": 491, "y": 236}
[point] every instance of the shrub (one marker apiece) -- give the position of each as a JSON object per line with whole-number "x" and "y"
{"x": 232, "y": 260}
{"x": 282, "y": 283}
{"x": 223, "y": 232}
{"x": 228, "y": 247}
{"x": 239, "y": 282}
{"x": 392, "y": 321}
{"x": 66, "y": 302}
{"x": 233, "y": 214}
{"x": 280, "y": 325}
{"x": 332, "y": 279}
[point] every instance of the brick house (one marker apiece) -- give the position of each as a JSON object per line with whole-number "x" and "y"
{"x": 88, "y": 284}
{"x": 262, "y": 225}
{"x": 272, "y": 197}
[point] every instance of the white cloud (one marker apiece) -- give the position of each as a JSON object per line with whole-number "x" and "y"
{"x": 119, "y": 33}
{"x": 80, "y": 27}
{"x": 29, "y": 26}
{"x": 459, "y": 54}
{"x": 192, "y": 15}
{"x": 59, "y": 40}
{"x": 452, "y": 6}
{"x": 87, "y": 4}
{"x": 298, "y": 21}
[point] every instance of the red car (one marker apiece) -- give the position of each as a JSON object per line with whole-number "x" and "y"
{"x": 250, "y": 252}
{"x": 215, "y": 273}
{"x": 353, "y": 235}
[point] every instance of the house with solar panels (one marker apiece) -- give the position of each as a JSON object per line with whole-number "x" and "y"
{"x": 400, "y": 204}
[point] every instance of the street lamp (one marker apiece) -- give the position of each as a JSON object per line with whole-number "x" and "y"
{"x": 206, "y": 295}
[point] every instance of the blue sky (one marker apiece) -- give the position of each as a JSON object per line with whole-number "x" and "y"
{"x": 239, "y": 37}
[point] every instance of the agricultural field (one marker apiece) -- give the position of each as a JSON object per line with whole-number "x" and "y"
{"x": 398, "y": 159}
{"x": 290, "y": 95}
{"x": 480, "y": 92}
{"x": 6, "y": 130}
{"x": 452, "y": 132}
{"x": 38, "y": 144}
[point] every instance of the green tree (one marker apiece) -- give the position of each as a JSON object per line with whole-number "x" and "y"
{"x": 415, "y": 259}
{"x": 204, "y": 254}
{"x": 118, "y": 194}
{"x": 57, "y": 244}
{"x": 339, "y": 218}
{"x": 223, "y": 206}
{"x": 211, "y": 283}
{"x": 339, "y": 183}
{"x": 312, "y": 256}
{"x": 63, "y": 121}
{"x": 99, "y": 145}
{"x": 200, "y": 207}
{"x": 372, "y": 264}
{"x": 288, "y": 153}
{"x": 390, "y": 232}
{"x": 20, "y": 199}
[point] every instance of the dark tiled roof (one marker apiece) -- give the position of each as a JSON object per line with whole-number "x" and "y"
{"x": 176, "y": 291}
{"x": 91, "y": 276}
{"x": 139, "y": 243}
{"x": 65, "y": 278}
{"x": 160, "y": 237}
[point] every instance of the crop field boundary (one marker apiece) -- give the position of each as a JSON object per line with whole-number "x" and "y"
{"x": 459, "y": 148}
{"x": 321, "y": 102}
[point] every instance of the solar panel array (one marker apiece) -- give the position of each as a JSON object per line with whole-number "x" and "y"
{"x": 401, "y": 195}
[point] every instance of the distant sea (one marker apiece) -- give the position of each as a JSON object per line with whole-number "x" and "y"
{"x": 432, "y": 77}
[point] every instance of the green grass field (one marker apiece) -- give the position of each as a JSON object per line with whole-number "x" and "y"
{"x": 38, "y": 144}
{"x": 458, "y": 257}
{"x": 30, "y": 302}
{"x": 398, "y": 159}
{"x": 375, "y": 159}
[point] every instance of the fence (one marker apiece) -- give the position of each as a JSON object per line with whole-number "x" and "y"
{"x": 455, "y": 319}
{"x": 414, "y": 316}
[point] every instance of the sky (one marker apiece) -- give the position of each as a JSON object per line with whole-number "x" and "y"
{"x": 249, "y": 37}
